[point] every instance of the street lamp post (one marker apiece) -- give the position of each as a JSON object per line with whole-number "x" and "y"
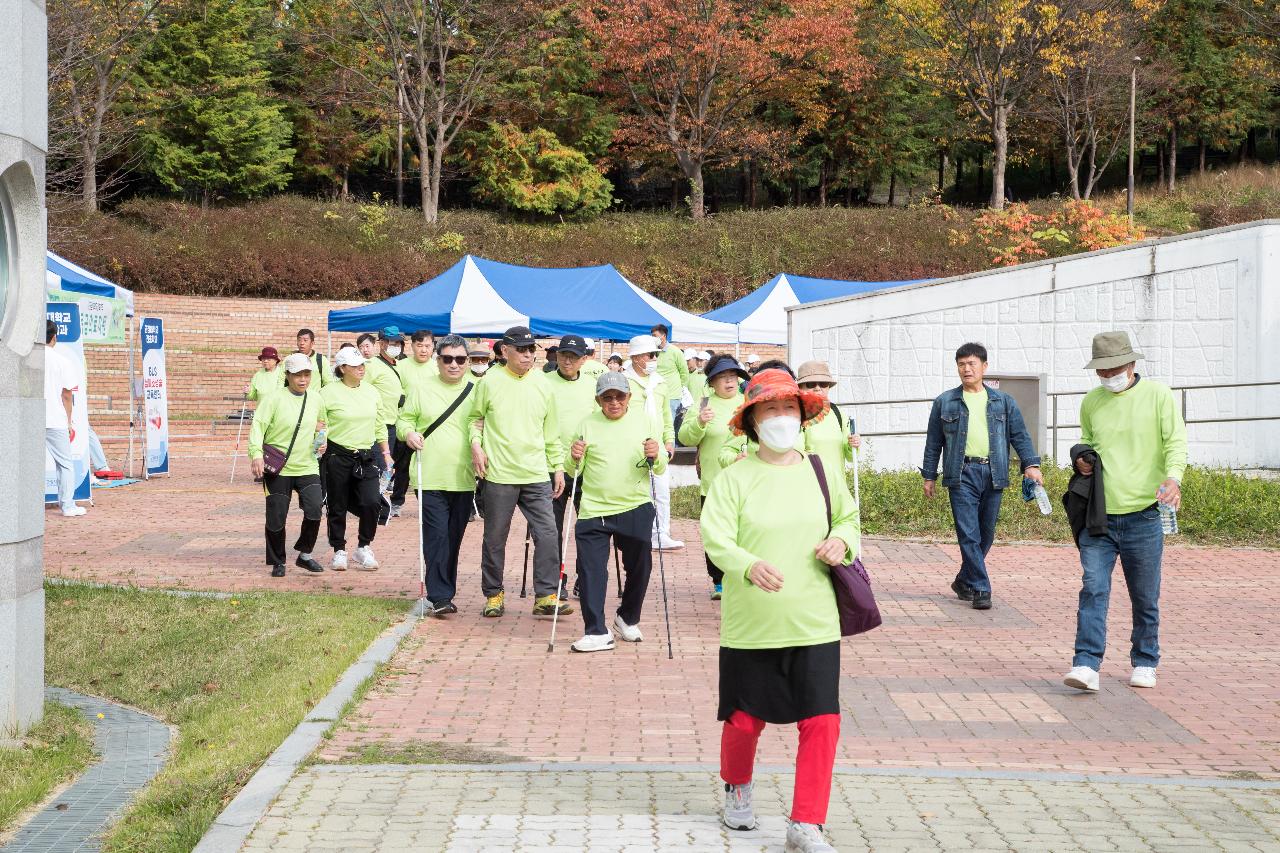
{"x": 1133, "y": 113}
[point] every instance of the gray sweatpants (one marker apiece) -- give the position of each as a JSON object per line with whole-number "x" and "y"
{"x": 534, "y": 500}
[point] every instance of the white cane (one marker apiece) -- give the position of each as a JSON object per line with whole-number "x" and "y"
{"x": 244, "y": 404}
{"x": 422, "y": 558}
{"x": 564, "y": 545}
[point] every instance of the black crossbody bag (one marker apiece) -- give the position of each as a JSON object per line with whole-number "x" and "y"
{"x": 273, "y": 458}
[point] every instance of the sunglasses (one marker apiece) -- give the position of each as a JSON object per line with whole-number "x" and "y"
{"x": 453, "y": 359}
{"x": 809, "y": 386}
{"x": 525, "y": 348}
{"x": 613, "y": 397}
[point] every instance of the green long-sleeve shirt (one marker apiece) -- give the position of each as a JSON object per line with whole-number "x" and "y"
{"x": 830, "y": 440}
{"x": 413, "y": 373}
{"x": 775, "y": 513}
{"x": 659, "y": 407}
{"x": 274, "y": 422}
{"x": 321, "y": 371}
{"x": 674, "y": 371}
{"x": 738, "y": 444}
{"x": 386, "y": 380}
{"x": 446, "y": 453}
{"x": 575, "y": 399}
{"x": 697, "y": 385}
{"x": 265, "y": 383}
{"x": 353, "y": 416}
{"x": 1140, "y": 437}
{"x": 521, "y": 435}
{"x": 711, "y": 437}
{"x": 614, "y": 476}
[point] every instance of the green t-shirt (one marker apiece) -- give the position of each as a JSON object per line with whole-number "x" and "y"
{"x": 977, "y": 441}
{"x": 711, "y": 437}
{"x": 697, "y": 385}
{"x": 659, "y": 407}
{"x": 321, "y": 370}
{"x": 775, "y": 513}
{"x": 521, "y": 435}
{"x": 385, "y": 379}
{"x": 614, "y": 476}
{"x": 274, "y": 422}
{"x": 446, "y": 453}
{"x": 353, "y": 415}
{"x": 265, "y": 383}
{"x": 591, "y": 367}
{"x": 575, "y": 399}
{"x": 830, "y": 440}
{"x": 674, "y": 370}
{"x": 414, "y": 373}
{"x": 1140, "y": 437}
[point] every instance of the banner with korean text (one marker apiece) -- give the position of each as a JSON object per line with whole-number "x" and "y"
{"x": 155, "y": 394}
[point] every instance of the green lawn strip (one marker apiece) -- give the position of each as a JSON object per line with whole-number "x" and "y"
{"x": 235, "y": 676}
{"x": 1218, "y": 508}
{"x": 427, "y": 752}
{"x": 52, "y": 752}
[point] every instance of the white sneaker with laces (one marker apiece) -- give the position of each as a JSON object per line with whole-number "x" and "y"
{"x": 806, "y": 838}
{"x": 666, "y": 543}
{"x": 593, "y": 643}
{"x": 629, "y": 633}
{"x": 1082, "y": 678}
{"x": 365, "y": 561}
{"x": 738, "y": 813}
{"x": 75, "y": 512}
{"x": 1143, "y": 676}
{"x": 339, "y": 561}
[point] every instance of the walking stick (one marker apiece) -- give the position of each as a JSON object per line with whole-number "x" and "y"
{"x": 244, "y": 404}
{"x": 662, "y": 572}
{"x": 617, "y": 568}
{"x": 564, "y": 546}
{"x": 422, "y": 557}
{"x": 524, "y": 581}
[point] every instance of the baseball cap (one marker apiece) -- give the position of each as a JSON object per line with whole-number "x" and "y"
{"x": 752, "y": 358}
{"x": 348, "y": 357}
{"x": 269, "y": 352}
{"x": 575, "y": 344}
{"x": 391, "y": 333}
{"x": 297, "y": 363}
{"x": 611, "y": 381}
{"x": 591, "y": 344}
{"x": 641, "y": 344}
{"x": 703, "y": 355}
{"x": 690, "y": 354}
{"x": 518, "y": 336}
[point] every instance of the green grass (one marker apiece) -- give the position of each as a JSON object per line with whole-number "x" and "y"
{"x": 235, "y": 676}
{"x": 427, "y": 752}
{"x": 54, "y": 751}
{"x": 1219, "y": 508}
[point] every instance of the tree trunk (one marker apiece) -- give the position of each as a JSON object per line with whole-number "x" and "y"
{"x": 746, "y": 183}
{"x": 822, "y": 183}
{"x": 346, "y": 185}
{"x": 1171, "y": 173}
{"x": 942, "y": 170}
{"x": 959, "y": 173}
{"x": 697, "y": 194}
{"x": 999, "y": 154}
{"x": 89, "y": 177}
{"x": 755, "y": 175}
{"x": 1160, "y": 161}
{"x": 1203, "y": 151}
{"x": 893, "y": 186}
{"x": 1091, "y": 165}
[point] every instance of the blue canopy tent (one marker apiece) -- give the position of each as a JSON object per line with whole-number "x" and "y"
{"x": 477, "y": 296}
{"x": 761, "y": 316}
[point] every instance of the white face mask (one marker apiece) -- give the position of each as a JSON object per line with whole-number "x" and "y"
{"x": 779, "y": 433}
{"x": 393, "y": 351}
{"x": 1116, "y": 383}
{"x": 479, "y": 369}
{"x": 651, "y": 367}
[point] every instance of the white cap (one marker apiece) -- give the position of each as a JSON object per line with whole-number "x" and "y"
{"x": 690, "y": 354}
{"x": 703, "y": 355}
{"x": 752, "y": 358}
{"x": 642, "y": 344}
{"x": 590, "y": 342}
{"x": 297, "y": 363}
{"x": 348, "y": 357}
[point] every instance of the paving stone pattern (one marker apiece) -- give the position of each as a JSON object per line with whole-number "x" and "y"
{"x": 131, "y": 747}
{"x": 433, "y": 809}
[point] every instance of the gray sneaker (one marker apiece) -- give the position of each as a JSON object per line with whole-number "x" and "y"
{"x": 806, "y": 838}
{"x": 738, "y": 813}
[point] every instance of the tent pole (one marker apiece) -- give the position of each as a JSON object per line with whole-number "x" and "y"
{"x": 133, "y": 411}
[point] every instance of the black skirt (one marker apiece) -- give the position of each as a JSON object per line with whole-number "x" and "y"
{"x": 780, "y": 685}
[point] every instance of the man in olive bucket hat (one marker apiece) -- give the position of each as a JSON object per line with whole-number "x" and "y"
{"x": 1134, "y": 426}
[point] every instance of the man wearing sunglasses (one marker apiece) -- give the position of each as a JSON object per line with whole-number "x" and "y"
{"x": 516, "y": 450}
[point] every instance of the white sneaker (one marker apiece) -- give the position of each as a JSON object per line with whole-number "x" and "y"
{"x": 629, "y": 633}
{"x": 666, "y": 543}
{"x": 75, "y": 512}
{"x": 738, "y": 813}
{"x": 395, "y": 511}
{"x": 594, "y": 643}
{"x": 806, "y": 838}
{"x": 1143, "y": 676}
{"x": 365, "y": 561}
{"x": 1082, "y": 678}
{"x": 339, "y": 561}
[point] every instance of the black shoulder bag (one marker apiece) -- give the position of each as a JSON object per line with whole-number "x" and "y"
{"x": 273, "y": 458}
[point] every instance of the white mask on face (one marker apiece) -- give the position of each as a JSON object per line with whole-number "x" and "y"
{"x": 779, "y": 433}
{"x": 393, "y": 351}
{"x": 1116, "y": 383}
{"x": 479, "y": 369}
{"x": 651, "y": 367}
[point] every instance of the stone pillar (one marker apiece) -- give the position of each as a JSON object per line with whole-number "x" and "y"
{"x": 23, "y": 142}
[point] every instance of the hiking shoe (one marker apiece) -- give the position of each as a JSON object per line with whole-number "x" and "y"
{"x": 738, "y": 813}
{"x": 546, "y": 606}
{"x": 629, "y": 633}
{"x": 277, "y": 571}
{"x": 442, "y": 609}
{"x": 963, "y": 591}
{"x": 306, "y": 561}
{"x": 365, "y": 561}
{"x": 1082, "y": 678}
{"x": 495, "y": 605}
{"x": 395, "y": 510}
{"x": 1143, "y": 676}
{"x": 593, "y": 643}
{"x": 339, "y": 563}
{"x": 806, "y": 838}
{"x": 981, "y": 600}
{"x": 717, "y": 591}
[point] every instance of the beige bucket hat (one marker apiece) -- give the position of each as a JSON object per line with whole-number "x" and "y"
{"x": 814, "y": 371}
{"x": 1112, "y": 349}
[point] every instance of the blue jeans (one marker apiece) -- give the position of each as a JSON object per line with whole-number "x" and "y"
{"x": 1136, "y": 538}
{"x": 975, "y": 506}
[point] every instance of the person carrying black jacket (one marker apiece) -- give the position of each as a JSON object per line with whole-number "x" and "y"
{"x": 1085, "y": 501}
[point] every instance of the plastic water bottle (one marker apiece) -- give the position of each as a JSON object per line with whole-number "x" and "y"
{"x": 318, "y": 441}
{"x": 1168, "y": 515}
{"x": 1042, "y": 500}
{"x": 386, "y": 478}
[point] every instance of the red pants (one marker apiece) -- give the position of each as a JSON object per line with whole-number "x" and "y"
{"x": 814, "y": 760}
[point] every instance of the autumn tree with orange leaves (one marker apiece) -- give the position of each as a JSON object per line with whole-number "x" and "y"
{"x": 691, "y": 75}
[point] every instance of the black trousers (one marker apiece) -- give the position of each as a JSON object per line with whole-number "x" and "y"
{"x": 444, "y": 522}
{"x": 391, "y": 447}
{"x": 632, "y": 533}
{"x": 713, "y": 571}
{"x": 279, "y": 490}
{"x": 402, "y": 459}
{"x": 352, "y": 487}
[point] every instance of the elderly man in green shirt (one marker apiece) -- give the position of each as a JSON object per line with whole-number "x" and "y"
{"x": 617, "y": 449}
{"x": 516, "y": 450}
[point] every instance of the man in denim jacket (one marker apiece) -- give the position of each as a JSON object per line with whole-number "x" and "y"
{"x": 975, "y": 465}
